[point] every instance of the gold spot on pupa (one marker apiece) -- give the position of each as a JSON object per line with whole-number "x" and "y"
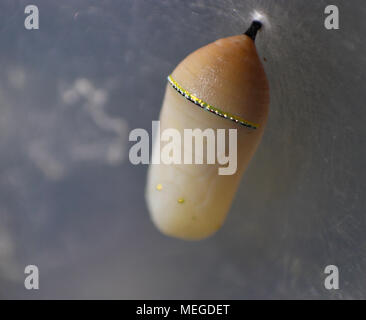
{"x": 159, "y": 187}
{"x": 180, "y": 200}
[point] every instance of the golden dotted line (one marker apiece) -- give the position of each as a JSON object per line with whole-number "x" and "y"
{"x": 204, "y": 105}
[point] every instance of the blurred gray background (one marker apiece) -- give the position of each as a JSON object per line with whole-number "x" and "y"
{"x": 71, "y": 203}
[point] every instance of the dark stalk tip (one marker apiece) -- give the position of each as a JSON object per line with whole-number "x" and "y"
{"x": 253, "y": 29}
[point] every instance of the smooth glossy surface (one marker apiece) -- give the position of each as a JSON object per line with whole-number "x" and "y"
{"x": 226, "y": 73}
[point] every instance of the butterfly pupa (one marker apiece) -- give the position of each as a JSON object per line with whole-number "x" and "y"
{"x": 226, "y": 77}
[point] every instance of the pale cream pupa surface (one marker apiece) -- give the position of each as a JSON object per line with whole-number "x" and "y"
{"x": 191, "y": 201}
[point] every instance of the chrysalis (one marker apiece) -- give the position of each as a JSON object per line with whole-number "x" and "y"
{"x": 220, "y": 86}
